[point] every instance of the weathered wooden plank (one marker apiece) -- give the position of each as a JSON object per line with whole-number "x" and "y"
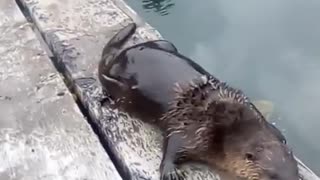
{"x": 43, "y": 135}
{"x": 76, "y": 31}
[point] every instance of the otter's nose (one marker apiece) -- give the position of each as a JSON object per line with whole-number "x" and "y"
{"x": 281, "y": 176}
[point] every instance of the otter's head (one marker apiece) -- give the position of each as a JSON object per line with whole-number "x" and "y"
{"x": 262, "y": 161}
{"x": 253, "y": 151}
{"x": 234, "y": 134}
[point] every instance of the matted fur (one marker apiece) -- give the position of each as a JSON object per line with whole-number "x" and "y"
{"x": 199, "y": 94}
{"x": 193, "y": 109}
{"x": 207, "y": 113}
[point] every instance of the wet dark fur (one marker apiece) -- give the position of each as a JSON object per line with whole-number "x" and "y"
{"x": 142, "y": 76}
{"x": 203, "y": 119}
{"x": 219, "y": 126}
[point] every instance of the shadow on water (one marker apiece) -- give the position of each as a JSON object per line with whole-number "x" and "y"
{"x": 161, "y": 7}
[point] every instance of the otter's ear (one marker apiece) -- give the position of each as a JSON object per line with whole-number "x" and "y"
{"x": 250, "y": 156}
{"x": 265, "y": 107}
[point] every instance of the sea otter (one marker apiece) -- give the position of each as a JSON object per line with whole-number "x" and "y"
{"x": 203, "y": 118}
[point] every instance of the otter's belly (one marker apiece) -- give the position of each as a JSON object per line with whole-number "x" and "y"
{"x": 149, "y": 75}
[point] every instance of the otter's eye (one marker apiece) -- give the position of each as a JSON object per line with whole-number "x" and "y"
{"x": 273, "y": 176}
{"x": 249, "y": 156}
{"x": 179, "y": 103}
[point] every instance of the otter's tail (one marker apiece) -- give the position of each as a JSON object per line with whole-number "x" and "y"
{"x": 118, "y": 40}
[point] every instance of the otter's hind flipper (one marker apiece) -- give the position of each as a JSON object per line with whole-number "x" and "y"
{"x": 113, "y": 48}
{"x": 118, "y": 40}
{"x": 163, "y": 44}
{"x": 110, "y": 52}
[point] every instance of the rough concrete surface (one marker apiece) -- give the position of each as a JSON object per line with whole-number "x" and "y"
{"x": 43, "y": 135}
{"x": 76, "y": 31}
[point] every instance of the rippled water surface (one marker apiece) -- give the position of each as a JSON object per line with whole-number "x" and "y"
{"x": 268, "y": 48}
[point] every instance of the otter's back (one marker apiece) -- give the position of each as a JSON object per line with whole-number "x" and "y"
{"x": 152, "y": 72}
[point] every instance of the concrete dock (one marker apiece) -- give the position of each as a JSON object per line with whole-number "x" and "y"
{"x": 52, "y": 126}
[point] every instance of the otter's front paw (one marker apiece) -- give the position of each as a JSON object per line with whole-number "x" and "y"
{"x": 170, "y": 172}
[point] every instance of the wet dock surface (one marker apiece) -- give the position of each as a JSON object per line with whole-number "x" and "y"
{"x": 47, "y": 132}
{"x": 43, "y": 134}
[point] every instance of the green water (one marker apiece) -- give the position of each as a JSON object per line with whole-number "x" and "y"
{"x": 269, "y": 48}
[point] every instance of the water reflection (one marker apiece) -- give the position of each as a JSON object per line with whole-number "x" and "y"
{"x": 159, "y": 6}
